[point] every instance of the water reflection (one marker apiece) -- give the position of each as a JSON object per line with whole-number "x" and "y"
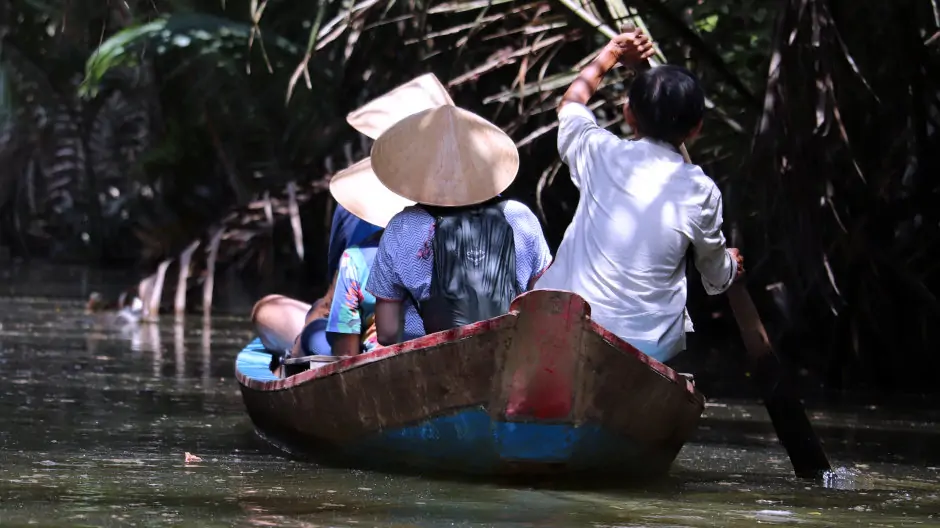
{"x": 96, "y": 424}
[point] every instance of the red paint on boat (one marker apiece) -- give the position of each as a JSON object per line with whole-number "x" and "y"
{"x": 545, "y": 358}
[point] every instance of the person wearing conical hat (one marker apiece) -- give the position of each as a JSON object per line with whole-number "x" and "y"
{"x": 349, "y": 327}
{"x": 358, "y": 185}
{"x": 462, "y": 252}
{"x": 642, "y": 206}
{"x": 341, "y": 322}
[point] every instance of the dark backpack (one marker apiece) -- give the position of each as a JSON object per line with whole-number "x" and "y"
{"x": 473, "y": 276}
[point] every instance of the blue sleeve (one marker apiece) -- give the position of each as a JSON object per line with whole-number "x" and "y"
{"x": 384, "y": 281}
{"x": 346, "y": 230}
{"x": 340, "y": 229}
{"x": 345, "y": 311}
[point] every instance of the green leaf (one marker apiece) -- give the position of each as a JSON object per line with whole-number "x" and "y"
{"x": 203, "y": 34}
{"x": 707, "y": 24}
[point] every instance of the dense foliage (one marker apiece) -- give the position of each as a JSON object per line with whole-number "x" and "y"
{"x": 132, "y": 128}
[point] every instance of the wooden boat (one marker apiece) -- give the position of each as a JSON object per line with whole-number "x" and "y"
{"x": 542, "y": 389}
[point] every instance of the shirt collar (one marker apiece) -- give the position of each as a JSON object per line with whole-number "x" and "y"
{"x": 661, "y": 144}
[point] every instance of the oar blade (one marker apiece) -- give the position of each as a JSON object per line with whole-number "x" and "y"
{"x": 786, "y": 411}
{"x": 796, "y": 433}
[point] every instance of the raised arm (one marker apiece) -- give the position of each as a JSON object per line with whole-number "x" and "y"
{"x": 626, "y": 48}
{"x": 577, "y": 126}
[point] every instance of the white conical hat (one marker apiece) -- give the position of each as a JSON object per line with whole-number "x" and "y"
{"x": 359, "y": 190}
{"x": 420, "y": 93}
{"x": 445, "y": 156}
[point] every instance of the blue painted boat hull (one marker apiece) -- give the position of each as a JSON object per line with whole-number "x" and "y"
{"x": 471, "y": 442}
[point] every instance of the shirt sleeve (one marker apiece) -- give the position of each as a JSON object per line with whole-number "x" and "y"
{"x": 712, "y": 258}
{"x": 541, "y": 254}
{"x": 576, "y": 125}
{"x": 535, "y": 255}
{"x": 345, "y": 314}
{"x": 384, "y": 281}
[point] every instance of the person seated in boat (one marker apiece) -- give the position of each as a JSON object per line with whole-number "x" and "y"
{"x": 294, "y": 328}
{"x": 346, "y": 229}
{"x": 641, "y": 206}
{"x": 462, "y": 252}
{"x": 348, "y": 328}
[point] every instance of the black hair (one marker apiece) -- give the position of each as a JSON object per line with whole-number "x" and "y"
{"x": 668, "y": 103}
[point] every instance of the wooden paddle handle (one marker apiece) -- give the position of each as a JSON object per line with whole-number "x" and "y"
{"x": 752, "y": 329}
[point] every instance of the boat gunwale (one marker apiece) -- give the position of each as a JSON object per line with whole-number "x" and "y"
{"x": 659, "y": 367}
{"x": 415, "y": 345}
{"x": 465, "y": 332}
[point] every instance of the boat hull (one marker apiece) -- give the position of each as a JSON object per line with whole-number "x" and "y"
{"x": 540, "y": 390}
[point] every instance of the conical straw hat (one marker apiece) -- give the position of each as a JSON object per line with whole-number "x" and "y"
{"x": 358, "y": 190}
{"x": 420, "y": 93}
{"x": 445, "y": 156}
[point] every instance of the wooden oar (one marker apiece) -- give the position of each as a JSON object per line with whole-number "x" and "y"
{"x": 786, "y": 411}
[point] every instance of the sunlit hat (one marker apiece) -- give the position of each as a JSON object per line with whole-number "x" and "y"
{"x": 420, "y": 93}
{"x": 358, "y": 190}
{"x": 445, "y": 156}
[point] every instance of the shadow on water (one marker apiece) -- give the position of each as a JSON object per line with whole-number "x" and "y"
{"x": 97, "y": 416}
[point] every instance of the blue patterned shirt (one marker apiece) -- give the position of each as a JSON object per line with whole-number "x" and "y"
{"x": 353, "y": 309}
{"x": 402, "y": 267}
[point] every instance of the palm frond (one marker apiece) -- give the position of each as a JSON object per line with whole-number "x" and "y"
{"x": 199, "y": 33}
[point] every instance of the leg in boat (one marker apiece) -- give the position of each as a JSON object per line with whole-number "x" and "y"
{"x": 286, "y": 324}
{"x": 278, "y": 320}
{"x": 313, "y": 340}
{"x": 310, "y": 341}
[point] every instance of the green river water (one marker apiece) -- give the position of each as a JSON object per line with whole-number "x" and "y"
{"x": 96, "y": 419}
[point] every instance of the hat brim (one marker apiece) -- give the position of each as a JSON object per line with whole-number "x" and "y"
{"x": 359, "y": 190}
{"x": 416, "y": 95}
{"x": 445, "y": 156}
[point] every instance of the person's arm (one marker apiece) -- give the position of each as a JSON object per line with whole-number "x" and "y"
{"x": 388, "y": 321}
{"x": 626, "y": 48}
{"x": 386, "y": 285}
{"x": 345, "y": 344}
{"x": 718, "y": 264}
{"x": 344, "y": 326}
{"x": 536, "y": 252}
{"x": 579, "y": 136}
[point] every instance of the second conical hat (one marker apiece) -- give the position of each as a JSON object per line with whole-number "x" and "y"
{"x": 445, "y": 156}
{"x": 359, "y": 190}
{"x": 420, "y": 93}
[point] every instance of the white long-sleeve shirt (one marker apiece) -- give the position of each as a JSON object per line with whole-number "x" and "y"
{"x": 641, "y": 207}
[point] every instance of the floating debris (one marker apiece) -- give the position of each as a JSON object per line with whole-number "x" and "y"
{"x": 191, "y": 458}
